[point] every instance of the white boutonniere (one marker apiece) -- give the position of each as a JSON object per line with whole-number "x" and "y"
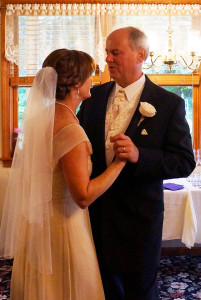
{"x": 147, "y": 110}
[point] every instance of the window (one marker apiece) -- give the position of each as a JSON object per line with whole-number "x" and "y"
{"x": 156, "y": 29}
{"x": 40, "y": 35}
{"x": 23, "y": 93}
{"x": 33, "y": 38}
{"x": 185, "y": 86}
{"x": 84, "y": 27}
{"x": 186, "y": 92}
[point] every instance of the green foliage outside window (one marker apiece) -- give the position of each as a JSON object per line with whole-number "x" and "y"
{"x": 186, "y": 93}
{"x": 22, "y": 94}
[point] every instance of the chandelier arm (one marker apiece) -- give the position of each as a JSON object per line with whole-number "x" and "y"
{"x": 147, "y": 67}
{"x": 155, "y": 59}
{"x": 152, "y": 62}
{"x": 189, "y": 66}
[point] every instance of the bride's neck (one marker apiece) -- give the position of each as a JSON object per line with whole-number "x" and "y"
{"x": 70, "y": 103}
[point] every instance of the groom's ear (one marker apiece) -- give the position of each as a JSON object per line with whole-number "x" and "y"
{"x": 141, "y": 55}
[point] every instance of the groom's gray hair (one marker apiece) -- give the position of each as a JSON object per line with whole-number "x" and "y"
{"x": 138, "y": 39}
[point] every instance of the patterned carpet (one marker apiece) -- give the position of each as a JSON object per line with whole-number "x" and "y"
{"x": 179, "y": 278}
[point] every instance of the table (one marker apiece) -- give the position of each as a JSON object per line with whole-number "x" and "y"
{"x": 182, "y": 216}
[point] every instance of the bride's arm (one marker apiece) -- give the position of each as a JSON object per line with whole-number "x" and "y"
{"x": 75, "y": 168}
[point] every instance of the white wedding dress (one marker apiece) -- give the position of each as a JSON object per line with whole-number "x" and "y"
{"x": 75, "y": 273}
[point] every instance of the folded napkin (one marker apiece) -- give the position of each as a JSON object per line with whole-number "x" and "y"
{"x": 190, "y": 223}
{"x": 172, "y": 186}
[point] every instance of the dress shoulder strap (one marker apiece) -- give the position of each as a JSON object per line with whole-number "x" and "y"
{"x": 67, "y": 138}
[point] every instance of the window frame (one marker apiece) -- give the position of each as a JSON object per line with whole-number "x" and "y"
{"x": 9, "y": 95}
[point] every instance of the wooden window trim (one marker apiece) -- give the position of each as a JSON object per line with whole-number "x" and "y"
{"x": 9, "y": 95}
{"x": 10, "y": 103}
{"x": 27, "y": 81}
{"x": 193, "y": 80}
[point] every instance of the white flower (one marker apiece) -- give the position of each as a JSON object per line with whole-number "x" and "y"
{"x": 147, "y": 110}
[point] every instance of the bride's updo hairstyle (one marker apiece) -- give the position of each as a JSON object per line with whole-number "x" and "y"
{"x": 72, "y": 66}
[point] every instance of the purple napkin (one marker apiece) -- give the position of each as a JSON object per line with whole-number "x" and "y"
{"x": 172, "y": 186}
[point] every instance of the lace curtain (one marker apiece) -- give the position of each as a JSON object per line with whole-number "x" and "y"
{"x": 101, "y": 9}
{"x": 34, "y": 30}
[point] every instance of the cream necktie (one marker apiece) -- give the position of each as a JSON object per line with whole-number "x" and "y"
{"x": 117, "y": 103}
{"x": 114, "y": 109}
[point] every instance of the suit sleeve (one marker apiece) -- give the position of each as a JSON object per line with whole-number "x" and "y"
{"x": 174, "y": 158}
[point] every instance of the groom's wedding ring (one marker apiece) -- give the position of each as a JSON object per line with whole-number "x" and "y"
{"x": 124, "y": 149}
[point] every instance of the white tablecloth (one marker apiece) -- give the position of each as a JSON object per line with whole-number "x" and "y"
{"x": 182, "y": 217}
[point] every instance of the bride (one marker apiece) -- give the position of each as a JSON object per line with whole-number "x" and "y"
{"x": 45, "y": 224}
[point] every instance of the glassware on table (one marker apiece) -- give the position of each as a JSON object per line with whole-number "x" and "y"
{"x": 195, "y": 177}
{"x": 197, "y": 156}
{"x": 198, "y": 161}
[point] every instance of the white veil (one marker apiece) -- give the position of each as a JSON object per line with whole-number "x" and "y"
{"x": 28, "y": 206}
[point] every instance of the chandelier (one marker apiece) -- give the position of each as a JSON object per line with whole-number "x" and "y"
{"x": 192, "y": 61}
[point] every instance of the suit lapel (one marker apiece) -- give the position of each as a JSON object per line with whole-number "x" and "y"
{"x": 100, "y": 106}
{"x": 146, "y": 96}
{"x": 101, "y": 102}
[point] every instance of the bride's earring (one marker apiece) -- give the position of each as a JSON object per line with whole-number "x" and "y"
{"x": 78, "y": 93}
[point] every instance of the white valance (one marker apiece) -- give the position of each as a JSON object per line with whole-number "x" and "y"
{"x": 96, "y": 9}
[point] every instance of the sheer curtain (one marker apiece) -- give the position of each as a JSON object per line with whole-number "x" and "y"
{"x": 34, "y": 30}
{"x": 40, "y": 35}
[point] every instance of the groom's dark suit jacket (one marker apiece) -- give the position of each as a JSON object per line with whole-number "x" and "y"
{"x": 127, "y": 219}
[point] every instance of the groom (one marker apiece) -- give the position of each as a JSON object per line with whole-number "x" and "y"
{"x": 127, "y": 220}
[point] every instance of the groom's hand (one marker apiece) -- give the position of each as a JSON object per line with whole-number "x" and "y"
{"x": 124, "y": 148}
